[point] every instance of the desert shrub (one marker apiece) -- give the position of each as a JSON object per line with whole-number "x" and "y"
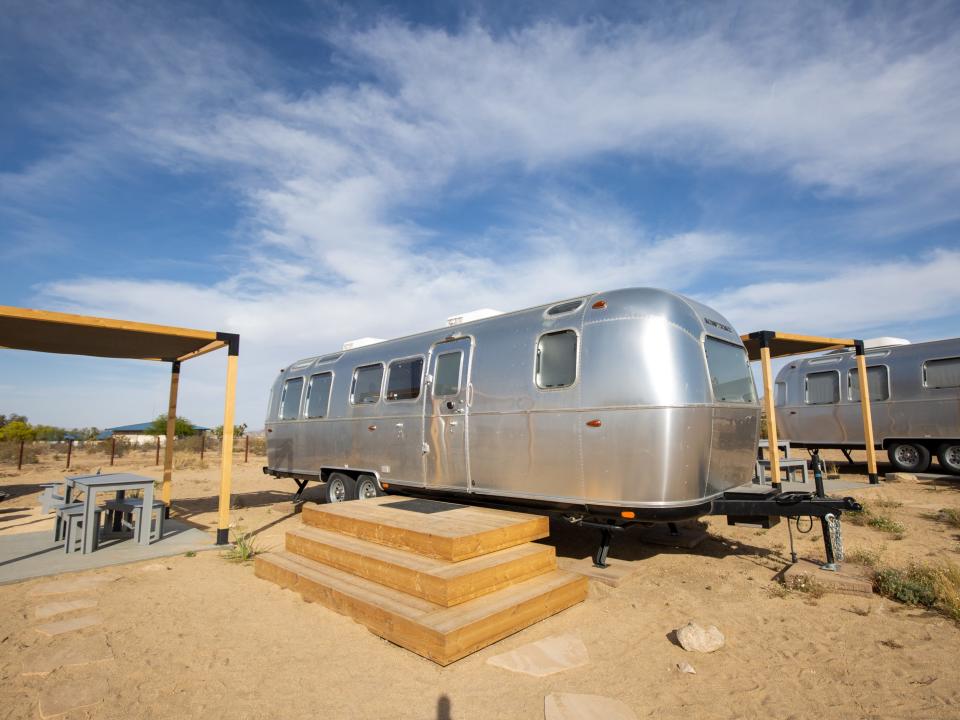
{"x": 935, "y": 586}
{"x": 10, "y": 451}
{"x": 869, "y": 517}
{"x": 244, "y": 547}
{"x": 869, "y": 558}
{"x": 949, "y": 516}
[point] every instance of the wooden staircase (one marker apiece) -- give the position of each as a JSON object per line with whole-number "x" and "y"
{"x": 440, "y": 579}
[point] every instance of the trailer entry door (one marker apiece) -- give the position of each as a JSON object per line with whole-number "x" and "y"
{"x": 445, "y": 416}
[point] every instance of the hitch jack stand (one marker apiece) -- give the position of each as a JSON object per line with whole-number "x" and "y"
{"x": 600, "y": 557}
{"x": 301, "y": 486}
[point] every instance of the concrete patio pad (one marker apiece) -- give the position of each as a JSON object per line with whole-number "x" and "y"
{"x": 35, "y": 554}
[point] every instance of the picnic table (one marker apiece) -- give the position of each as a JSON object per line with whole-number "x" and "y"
{"x": 118, "y": 483}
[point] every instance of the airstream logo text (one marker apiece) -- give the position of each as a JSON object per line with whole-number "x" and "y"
{"x": 716, "y": 324}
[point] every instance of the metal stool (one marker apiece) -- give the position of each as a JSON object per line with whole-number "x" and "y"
{"x": 72, "y": 517}
{"x": 133, "y": 510}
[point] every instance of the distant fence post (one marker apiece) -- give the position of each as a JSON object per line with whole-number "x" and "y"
{"x": 20, "y": 456}
{"x": 203, "y": 441}
{"x": 246, "y": 448}
{"x": 69, "y": 451}
{"x": 157, "y": 461}
{"x": 113, "y": 447}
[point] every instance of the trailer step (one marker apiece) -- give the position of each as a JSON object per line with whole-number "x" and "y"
{"x": 447, "y": 531}
{"x": 441, "y": 634}
{"x": 439, "y": 581}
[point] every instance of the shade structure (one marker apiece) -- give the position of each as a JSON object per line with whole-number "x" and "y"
{"x": 66, "y": 333}
{"x": 763, "y": 345}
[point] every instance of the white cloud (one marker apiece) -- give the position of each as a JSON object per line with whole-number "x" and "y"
{"x": 862, "y": 298}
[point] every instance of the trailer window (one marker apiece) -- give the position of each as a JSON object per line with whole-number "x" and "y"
{"x": 367, "y": 381}
{"x": 942, "y": 373}
{"x": 318, "y": 395}
{"x": 780, "y": 399}
{"x": 823, "y": 388}
{"x": 565, "y": 307}
{"x": 290, "y": 399}
{"x": 878, "y": 383}
{"x": 557, "y": 359}
{"x": 730, "y": 373}
{"x": 447, "y": 381}
{"x": 403, "y": 382}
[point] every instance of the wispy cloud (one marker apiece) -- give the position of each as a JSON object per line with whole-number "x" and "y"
{"x": 335, "y": 179}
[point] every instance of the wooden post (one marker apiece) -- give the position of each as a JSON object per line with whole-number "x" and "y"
{"x": 203, "y": 442}
{"x": 113, "y": 447}
{"x": 157, "y": 459}
{"x": 773, "y": 450}
{"x": 226, "y": 463}
{"x": 867, "y": 415}
{"x": 171, "y": 429}
{"x": 20, "y": 457}
{"x": 69, "y": 451}
{"x": 246, "y": 448}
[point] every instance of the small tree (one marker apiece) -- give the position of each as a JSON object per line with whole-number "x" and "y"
{"x": 182, "y": 427}
{"x": 17, "y": 430}
{"x": 238, "y": 431}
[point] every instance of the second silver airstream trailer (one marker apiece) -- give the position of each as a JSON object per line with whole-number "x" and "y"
{"x": 914, "y": 397}
{"x": 634, "y": 403}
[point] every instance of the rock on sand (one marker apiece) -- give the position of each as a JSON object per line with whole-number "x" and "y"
{"x": 694, "y": 638}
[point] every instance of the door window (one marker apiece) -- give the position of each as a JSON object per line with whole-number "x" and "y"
{"x": 447, "y": 380}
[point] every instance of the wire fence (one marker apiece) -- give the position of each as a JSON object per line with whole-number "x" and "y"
{"x": 21, "y": 454}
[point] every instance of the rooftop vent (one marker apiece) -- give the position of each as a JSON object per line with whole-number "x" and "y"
{"x": 471, "y": 316}
{"x": 360, "y": 342}
{"x": 884, "y": 342}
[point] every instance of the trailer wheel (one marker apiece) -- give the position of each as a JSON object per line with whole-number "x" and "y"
{"x": 949, "y": 456}
{"x": 339, "y": 488}
{"x": 367, "y": 487}
{"x": 909, "y": 457}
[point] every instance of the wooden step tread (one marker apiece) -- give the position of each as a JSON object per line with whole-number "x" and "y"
{"x": 440, "y": 581}
{"x": 442, "y": 634}
{"x": 454, "y": 532}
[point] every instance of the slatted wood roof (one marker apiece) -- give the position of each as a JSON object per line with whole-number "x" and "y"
{"x": 782, "y": 344}
{"x": 55, "y": 332}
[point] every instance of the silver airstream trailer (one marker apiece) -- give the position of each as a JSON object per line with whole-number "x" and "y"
{"x": 914, "y": 397}
{"x": 631, "y": 403}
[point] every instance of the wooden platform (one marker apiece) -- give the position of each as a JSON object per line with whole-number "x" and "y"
{"x": 440, "y": 579}
{"x": 447, "y": 531}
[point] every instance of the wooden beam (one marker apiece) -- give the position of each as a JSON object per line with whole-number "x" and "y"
{"x": 865, "y": 410}
{"x": 773, "y": 450}
{"x": 113, "y": 324}
{"x": 165, "y": 492}
{"x": 210, "y": 347}
{"x": 226, "y": 463}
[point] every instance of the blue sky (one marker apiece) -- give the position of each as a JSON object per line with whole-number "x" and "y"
{"x": 306, "y": 173}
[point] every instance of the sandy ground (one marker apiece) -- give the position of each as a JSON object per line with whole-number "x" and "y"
{"x": 202, "y": 637}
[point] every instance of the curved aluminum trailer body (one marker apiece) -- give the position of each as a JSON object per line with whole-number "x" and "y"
{"x": 632, "y": 419}
{"x": 914, "y": 396}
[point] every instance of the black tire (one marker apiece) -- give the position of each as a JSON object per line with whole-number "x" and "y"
{"x": 339, "y": 488}
{"x": 367, "y": 487}
{"x": 909, "y": 457}
{"x": 948, "y": 454}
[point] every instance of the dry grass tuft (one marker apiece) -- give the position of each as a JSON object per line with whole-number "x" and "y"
{"x": 244, "y": 547}
{"x": 884, "y": 523}
{"x": 931, "y": 585}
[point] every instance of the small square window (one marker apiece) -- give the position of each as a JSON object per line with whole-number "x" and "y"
{"x": 403, "y": 381}
{"x": 943, "y": 373}
{"x": 878, "y": 383}
{"x": 823, "y": 388}
{"x": 290, "y": 399}
{"x": 318, "y": 395}
{"x": 367, "y": 381}
{"x": 557, "y": 359}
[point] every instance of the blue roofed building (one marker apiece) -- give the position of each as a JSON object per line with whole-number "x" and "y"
{"x": 137, "y": 433}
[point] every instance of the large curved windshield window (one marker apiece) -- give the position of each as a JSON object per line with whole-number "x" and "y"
{"x": 730, "y": 373}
